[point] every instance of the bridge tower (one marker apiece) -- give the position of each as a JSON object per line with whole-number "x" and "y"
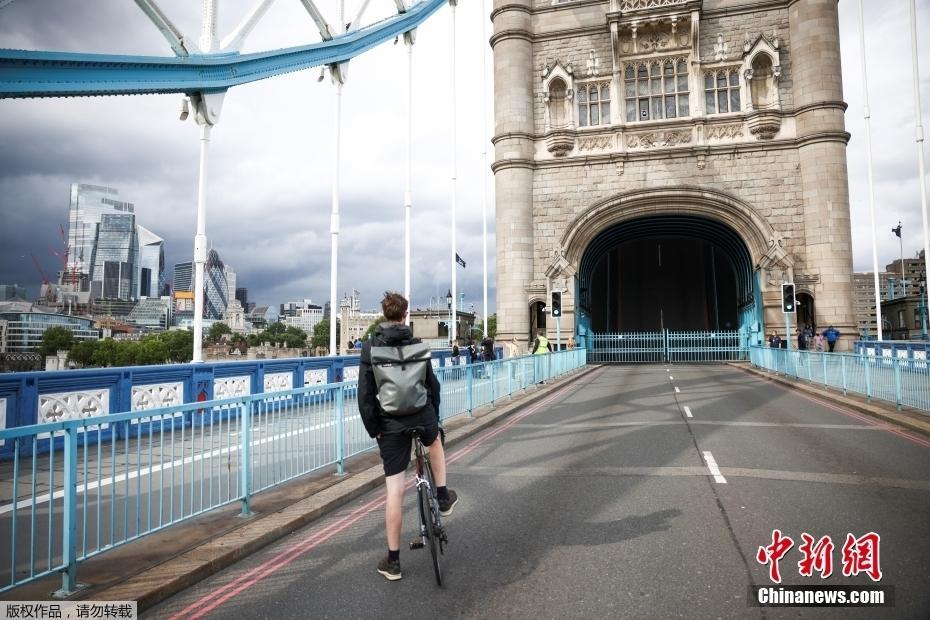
{"x": 668, "y": 164}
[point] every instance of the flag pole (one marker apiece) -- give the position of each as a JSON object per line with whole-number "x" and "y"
{"x": 919, "y": 135}
{"x": 868, "y": 143}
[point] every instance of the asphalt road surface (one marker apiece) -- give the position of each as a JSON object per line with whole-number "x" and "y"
{"x": 633, "y": 492}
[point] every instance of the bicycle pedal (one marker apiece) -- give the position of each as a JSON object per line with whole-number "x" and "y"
{"x": 416, "y": 544}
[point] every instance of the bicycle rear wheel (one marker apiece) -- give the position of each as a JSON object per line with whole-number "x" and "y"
{"x": 429, "y": 513}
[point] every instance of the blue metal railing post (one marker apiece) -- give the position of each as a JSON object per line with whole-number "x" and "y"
{"x": 868, "y": 376}
{"x": 469, "y": 389}
{"x": 245, "y": 451}
{"x": 491, "y": 379}
{"x": 897, "y": 381}
{"x": 843, "y": 362}
{"x": 340, "y": 431}
{"x": 69, "y": 526}
{"x": 823, "y": 357}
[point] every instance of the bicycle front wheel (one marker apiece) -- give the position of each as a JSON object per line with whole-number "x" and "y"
{"x": 425, "y": 500}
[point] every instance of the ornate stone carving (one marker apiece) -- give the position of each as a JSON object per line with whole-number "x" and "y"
{"x": 658, "y": 139}
{"x": 701, "y": 161}
{"x": 764, "y": 124}
{"x": 722, "y": 132}
{"x": 627, "y": 6}
{"x": 350, "y": 373}
{"x": 279, "y": 381}
{"x": 156, "y": 396}
{"x": 559, "y": 267}
{"x": 316, "y": 376}
{"x": 595, "y": 143}
{"x": 73, "y": 405}
{"x": 560, "y": 142}
{"x": 231, "y": 387}
{"x": 435, "y": 363}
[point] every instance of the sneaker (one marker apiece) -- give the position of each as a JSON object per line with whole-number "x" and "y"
{"x": 390, "y": 570}
{"x": 446, "y": 506}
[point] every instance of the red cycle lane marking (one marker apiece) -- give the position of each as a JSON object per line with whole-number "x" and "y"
{"x": 214, "y": 599}
{"x": 851, "y": 414}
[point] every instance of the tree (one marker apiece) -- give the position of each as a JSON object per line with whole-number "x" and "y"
{"x": 492, "y": 326}
{"x": 105, "y": 353}
{"x": 180, "y": 343}
{"x": 276, "y": 328}
{"x": 82, "y": 353}
{"x": 127, "y": 353}
{"x": 151, "y": 351}
{"x": 294, "y": 337}
{"x": 321, "y": 334}
{"x": 217, "y": 331}
{"x": 371, "y": 328}
{"x": 56, "y": 339}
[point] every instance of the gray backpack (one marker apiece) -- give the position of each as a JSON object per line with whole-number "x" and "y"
{"x": 400, "y": 374}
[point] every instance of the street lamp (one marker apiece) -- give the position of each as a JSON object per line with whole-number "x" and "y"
{"x": 449, "y": 304}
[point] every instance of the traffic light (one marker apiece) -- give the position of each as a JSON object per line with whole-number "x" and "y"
{"x": 788, "y": 303}
{"x": 556, "y": 303}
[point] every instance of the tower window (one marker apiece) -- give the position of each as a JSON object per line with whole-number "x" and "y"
{"x": 593, "y": 104}
{"x": 656, "y": 90}
{"x": 721, "y": 91}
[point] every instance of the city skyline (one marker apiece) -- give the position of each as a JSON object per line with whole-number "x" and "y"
{"x": 269, "y": 179}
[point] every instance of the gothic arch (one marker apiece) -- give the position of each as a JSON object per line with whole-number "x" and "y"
{"x": 762, "y": 241}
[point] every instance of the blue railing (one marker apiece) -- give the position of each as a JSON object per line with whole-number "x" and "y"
{"x": 73, "y": 489}
{"x": 902, "y": 349}
{"x": 902, "y": 381}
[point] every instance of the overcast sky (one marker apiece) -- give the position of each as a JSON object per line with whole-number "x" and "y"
{"x": 269, "y": 193}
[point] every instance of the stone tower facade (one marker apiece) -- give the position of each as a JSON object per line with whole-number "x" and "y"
{"x": 609, "y": 113}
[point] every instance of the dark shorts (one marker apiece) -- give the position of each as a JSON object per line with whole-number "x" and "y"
{"x": 395, "y": 444}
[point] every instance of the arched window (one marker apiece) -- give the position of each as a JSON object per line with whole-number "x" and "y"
{"x": 593, "y": 104}
{"x": 721, "y": 91}
{"x": 762, "y": 83}
{"x": 657, "y": 90}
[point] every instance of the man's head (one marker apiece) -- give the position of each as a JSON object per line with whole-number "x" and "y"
{"x": 394, "y": 306}
{"x": 541, "y": 331}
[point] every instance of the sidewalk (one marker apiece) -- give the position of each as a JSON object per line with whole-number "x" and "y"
{"x": 909, "y": 419}
{"x": 161, "y": 564}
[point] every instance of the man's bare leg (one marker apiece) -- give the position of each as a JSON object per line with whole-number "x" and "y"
{"x": 437, "y": 459}
{"x": 393, "y": 509}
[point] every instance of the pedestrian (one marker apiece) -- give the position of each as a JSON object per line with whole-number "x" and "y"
{"x": 571, "y": 342}
{"x": 541, "y": 345}
{"x": 455, "y": 355}
{"x": 802, "y": 339}
{"x": 512, "y": 347}
{"x": 393, "y": 398}
{"x": 487, "y": 349}
{"x": 818, "y": 342}
{"x": 831, "y": 334}
{"x": 775, "y": 341}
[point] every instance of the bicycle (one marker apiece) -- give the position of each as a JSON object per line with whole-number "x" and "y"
{"x": 432, "y": 532}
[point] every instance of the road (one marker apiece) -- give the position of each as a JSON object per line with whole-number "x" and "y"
{"x": 601, "y": 502}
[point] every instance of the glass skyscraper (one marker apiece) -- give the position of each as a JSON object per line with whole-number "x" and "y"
{"x": 115, "y": 260}
{"x": 89, "y": 203}
{"x": 183, "y": 277}
{"x": 217, "y": 290}
{"x": 151, "y": 263}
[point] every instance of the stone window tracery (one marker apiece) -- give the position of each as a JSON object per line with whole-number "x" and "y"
{"x": 722, "y": 91}
{"x": 656, "y": 89}
{"x": 593, "y": 104}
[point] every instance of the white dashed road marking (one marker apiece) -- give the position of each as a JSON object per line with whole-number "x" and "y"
{"x": 677, "y": 391}
{"x": 688, "y": 412}
{"x": 714, "y": 470}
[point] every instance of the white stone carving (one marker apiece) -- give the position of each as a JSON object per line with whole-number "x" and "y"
{"x": 350, "y": 373}
{"x": 316, "y": 376}
{"x": 639, "y": 5}
{"x": 231, "y": 387}
{"x": 434, "y": 362}
{"x": 279, "y": 381}
{"x": 156, "y": 396}
{"x": 595, "y": 143}
{"x": 723, "y": 132}
{"x": 657, "y": 139}
{"x": 73, "y": 405}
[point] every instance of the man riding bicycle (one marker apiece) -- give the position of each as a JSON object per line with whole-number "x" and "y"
{"x": 389, "y": 426}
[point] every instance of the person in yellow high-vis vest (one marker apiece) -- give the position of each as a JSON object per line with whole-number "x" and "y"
{"x": 541, "y": 346}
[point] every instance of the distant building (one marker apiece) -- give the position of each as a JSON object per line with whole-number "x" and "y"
{"x": 353, "y": 322}
{"x": 260, "y": 317}
{"x": 433, "y": 325}
{"x": 3, "y": 334}
{"x": 902, "y": 318}
{"x": 24, "y": 327}
{"x": 10, "y": 292}
{"x": 154, "y": 313}
{"x": 234, "y": 317}
{"x": 889, "y": 288}
{"x": 217, "y": 292}
{"x": 301, "y": 314}
{"x": 242, "y": 294}
{"x": 151, "y": 264}
{"x": 183, "y": 279}
{"x": 116, "y": 258}
{"x": 89, "y": 203}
